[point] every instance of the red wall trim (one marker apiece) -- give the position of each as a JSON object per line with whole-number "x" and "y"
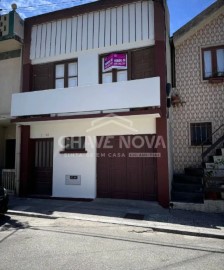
{"x": 161, "y": 123}
{"x": 24, "y": 160}
{"x": 27, "y": 77}
{"x": 55, "y": 118}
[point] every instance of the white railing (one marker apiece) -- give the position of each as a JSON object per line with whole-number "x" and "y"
{"x": 8, "y": 180}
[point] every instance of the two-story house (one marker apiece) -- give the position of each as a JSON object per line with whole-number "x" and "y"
{"x": 11, "y": 39}
{"x": 92, "y": 114}
{"x": 198, "y": 98}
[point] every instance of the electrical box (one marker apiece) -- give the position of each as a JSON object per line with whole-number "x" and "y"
{"x": 73, "y": 179}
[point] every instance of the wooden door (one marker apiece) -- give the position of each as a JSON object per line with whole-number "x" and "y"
{"x": 10, "y": 148}
{"x": 42, "y": 169}
{"x": 124, "y": 176}
{"x": 117, "y": 170}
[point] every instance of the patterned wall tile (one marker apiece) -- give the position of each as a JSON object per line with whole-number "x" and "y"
{"x": 204, "y": 101}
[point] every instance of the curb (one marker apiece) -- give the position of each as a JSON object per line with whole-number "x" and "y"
{"x": 124, "y": 223}
{"x": 191, "y": 233}
{"x": 29, "y": 214}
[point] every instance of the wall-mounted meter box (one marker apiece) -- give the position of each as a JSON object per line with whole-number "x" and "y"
{"x": 73, "y": 179}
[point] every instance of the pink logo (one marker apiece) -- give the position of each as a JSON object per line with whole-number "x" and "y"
{"x": 115, "y": 60}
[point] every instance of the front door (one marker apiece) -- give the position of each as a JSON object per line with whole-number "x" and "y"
{"x": 10, "y": 148}
{"x": 42, "y": 169}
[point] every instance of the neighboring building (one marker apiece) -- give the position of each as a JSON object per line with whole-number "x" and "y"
{"x": 198, "y": 97}
{"x": 89, "y": 73}
{"x": 11, "y": 39}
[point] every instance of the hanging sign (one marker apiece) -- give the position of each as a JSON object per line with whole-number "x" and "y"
{"x": 115, "y": 60}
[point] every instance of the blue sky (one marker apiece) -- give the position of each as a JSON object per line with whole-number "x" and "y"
{"x": 181, "y": 11}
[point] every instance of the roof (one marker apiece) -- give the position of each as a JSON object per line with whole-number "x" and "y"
{"x": 76, "y": 10}
{"x": 197, "y": 21}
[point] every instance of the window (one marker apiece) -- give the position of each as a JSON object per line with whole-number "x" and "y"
{"x": 112, "y": 68}
{"x": 74, "y": 145}
{"x": 201, "y": 133}
{"x": 213, "y": 62}
{"x": 66, "y": 74}
{"x": 129, "y": 65}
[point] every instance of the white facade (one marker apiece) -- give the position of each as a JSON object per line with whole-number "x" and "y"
{"x": 10, "y": 76}
{"x": 85, "y": 38}
{"x": 85, "y": 164}
{"x": 11, "y": 36}
{"x": 76, "y": 38}
{"x": 123, "y": 25}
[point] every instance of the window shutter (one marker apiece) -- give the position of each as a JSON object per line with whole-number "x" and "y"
{"x": 43, "y": 77}
{"x": 142, "y": 63}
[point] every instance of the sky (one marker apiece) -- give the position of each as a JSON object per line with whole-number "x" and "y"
{"x": 181, "y": 11}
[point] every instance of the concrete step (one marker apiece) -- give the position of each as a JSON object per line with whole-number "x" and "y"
{"x": 196, "y": 197}
{"x": 218, "y": 159}
{"x": 214, "y": 181}
{"x": 187, "y": 179}
{"x": 213, "y": 166}
{"x": 187, "y": 187}
{"x": 194, "y": 171}
{"x": 215, "y": 173}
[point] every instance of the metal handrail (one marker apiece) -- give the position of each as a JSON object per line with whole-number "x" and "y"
{"x": 210, "y": 137}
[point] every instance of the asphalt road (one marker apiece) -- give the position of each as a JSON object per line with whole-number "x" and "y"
{"x": 37, "y": 243}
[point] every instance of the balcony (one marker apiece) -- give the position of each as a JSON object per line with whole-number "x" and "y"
{"x": 100, "y": 97}
{"x": 12, "y": 32}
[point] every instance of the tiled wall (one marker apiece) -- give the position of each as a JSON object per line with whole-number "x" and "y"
{"x": 204, "y": 101}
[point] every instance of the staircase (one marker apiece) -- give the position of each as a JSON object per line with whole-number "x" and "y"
{"x": 214, "y": 173}
{"x": 188, "y": 187}
{"x": 197, "y": 183}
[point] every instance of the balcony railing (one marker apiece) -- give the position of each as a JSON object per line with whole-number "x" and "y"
{"x": 100, "y": 97}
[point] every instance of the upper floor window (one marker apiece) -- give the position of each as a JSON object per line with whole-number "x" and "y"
{"x": 114, "y": 68}
{"x": 128, "y": 65}
{"x": 213, "y": 62}
{"x": 66, "y": 74}
{"x": 55, "y": 75}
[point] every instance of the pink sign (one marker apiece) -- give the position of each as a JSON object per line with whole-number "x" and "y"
{"x": 115, "y": 60}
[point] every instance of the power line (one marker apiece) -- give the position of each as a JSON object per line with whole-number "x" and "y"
{"x": 79, "y": 2}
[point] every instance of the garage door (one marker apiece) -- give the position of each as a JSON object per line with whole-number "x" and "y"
{"x": 124, "y": 168}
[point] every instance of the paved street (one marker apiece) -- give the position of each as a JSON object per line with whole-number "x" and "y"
{"x": 114, "y": 211}
{"x": 61, "y": 243}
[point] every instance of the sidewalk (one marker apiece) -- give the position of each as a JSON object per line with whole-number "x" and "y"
{"x": 114, "y": 211}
